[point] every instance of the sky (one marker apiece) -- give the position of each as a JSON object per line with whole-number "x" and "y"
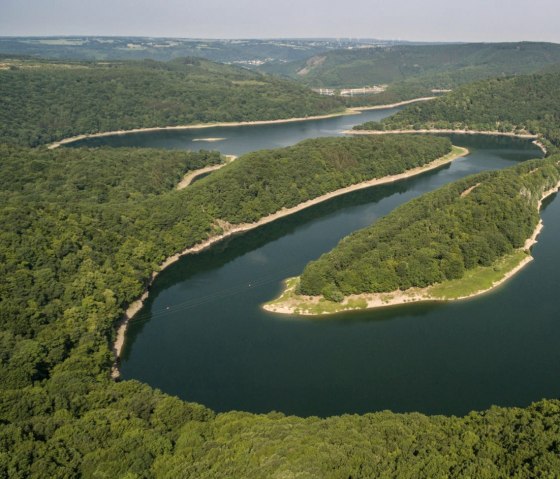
{"x": 420, "y": 20}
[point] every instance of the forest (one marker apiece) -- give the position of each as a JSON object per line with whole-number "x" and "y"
{"x": 65, "y": 213}
{"x": 438, "y": 236}
{"x": 529, "y": 103}
{"x": 43, "y": 101}
{"x": 262, "y": 182}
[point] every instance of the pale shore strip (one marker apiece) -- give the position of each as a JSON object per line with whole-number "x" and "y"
{"x": 442, "y": 130}
{"x": 413, "y": 295}
{"x": 539, "y": 144}
{"x": 435, "y": 131}
{"x": 392, "y": 105}
{"x": 229, "y": 230}
{"x": 194, "y": 174}
{"x": 348, "y": 111}
{"x": 209, "y": 140}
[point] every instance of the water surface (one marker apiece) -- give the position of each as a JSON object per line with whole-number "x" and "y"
{"x": 240, "y": 139}
{"x": 203, "y": 336}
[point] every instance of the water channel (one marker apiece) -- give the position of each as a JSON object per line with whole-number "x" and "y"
{"x": 203, "y": 337}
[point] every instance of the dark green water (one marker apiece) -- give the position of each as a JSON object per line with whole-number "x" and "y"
{"x": 203, "y": 336}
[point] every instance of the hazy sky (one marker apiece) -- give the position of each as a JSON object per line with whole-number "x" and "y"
{"x": 438, "y": 20}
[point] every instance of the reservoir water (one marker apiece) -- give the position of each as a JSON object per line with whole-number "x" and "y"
{"x": 203, "y": 336}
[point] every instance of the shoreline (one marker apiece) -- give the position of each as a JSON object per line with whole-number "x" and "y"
{"x": 427, "y": 131}
{"x": 197, "y": 126}
{"x": 194, "y": 174}
{"x": 413, "y": 295}
{"x": 230, "y": 230}
{"x": 392, "y": 105}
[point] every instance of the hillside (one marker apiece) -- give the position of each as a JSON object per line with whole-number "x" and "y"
{"x": 43, "y": 101}
{"x": 263, "y": 182}
{"x": 415, "y": 70}
{"x": 65, "y": 211}
{"x": 436, "y": 66}
{"x": 528, "y": 103}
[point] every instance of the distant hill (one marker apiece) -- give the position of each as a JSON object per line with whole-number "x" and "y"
{"x": 524, "y": 103}
{"x": 431, "y": 66}
{"x": 43, "y": 101}
{"x": 248, "y": 52}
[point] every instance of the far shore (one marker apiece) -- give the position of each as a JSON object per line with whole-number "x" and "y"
{"x": 413, "y": 295}
{"x": 527, "y": 136}
{"x": 392, "y": 105}
{"x": 348, "y": 111}
{"x": 229, "y": 230}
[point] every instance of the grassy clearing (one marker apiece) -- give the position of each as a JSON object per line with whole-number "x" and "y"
{"x": 455, "y": 152}
{"x": 478, "y": 279}
{"x": 310, "y": 305}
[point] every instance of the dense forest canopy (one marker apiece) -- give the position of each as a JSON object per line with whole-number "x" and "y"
{"x": 438, "y": 236}
{"x": 43, "y": 101}
{"x": 82, "y": 230}
{"x": 263, "y": 182}
{"x": 529, "y": 103}
{"x": 65, "y": 213}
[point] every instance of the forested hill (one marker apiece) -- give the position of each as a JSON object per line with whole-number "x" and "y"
{"x": 438, "y": 236}
{"x": 525, "y": 103}
{"x": 263, "y": 182}
{"x": 434, "y": 66}
{"x": 43, "y": 101}
{"x": 82, "y": 230}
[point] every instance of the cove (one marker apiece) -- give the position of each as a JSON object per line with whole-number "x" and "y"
{"x": 203, "y": 336}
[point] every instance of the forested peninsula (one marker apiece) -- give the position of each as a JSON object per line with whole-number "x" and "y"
{"x": 44, "y": 101}
{"x": 475, "y": 228}
{"x": 523, "y": 104}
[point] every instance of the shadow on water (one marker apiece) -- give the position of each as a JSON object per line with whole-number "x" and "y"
{"x": 388, "y": 313}
{"x": 238, "y": 245}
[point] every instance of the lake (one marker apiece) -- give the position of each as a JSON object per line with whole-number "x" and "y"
{"x": 203, "y": 337}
